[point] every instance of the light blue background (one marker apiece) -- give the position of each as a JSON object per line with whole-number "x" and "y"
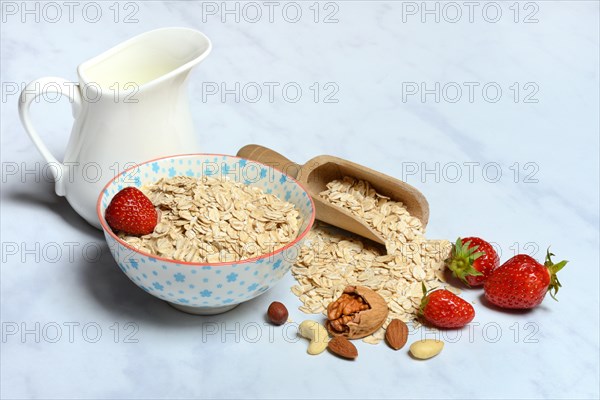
{"x": 369, "y": 55}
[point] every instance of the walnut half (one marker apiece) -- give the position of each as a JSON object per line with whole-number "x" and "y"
{"x": 358, "y": 312}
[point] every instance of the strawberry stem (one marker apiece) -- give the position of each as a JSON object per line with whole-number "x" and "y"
{"x": 424, "y": 300}
{"x": 461, "y": 260}
{"x": 553, "y": 269}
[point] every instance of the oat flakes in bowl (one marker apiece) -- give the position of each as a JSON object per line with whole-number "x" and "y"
{"x": 229, "y": 229}
{"x": 211, "y": 220}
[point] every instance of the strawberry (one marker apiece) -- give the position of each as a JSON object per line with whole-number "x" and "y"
{"x": 472, "y": 260}
{"x": 522, "y": 282}
{"x": 130, "y": 211}
{"x": 444, "y": 309}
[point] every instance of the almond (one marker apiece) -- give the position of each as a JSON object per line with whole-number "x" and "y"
{"x": 342, "y": 347}
{"x": 396, "y": 334}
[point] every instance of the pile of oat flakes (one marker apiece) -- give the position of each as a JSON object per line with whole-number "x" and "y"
{"x": 330, "y": 260}
{"x": 216, "y": 220}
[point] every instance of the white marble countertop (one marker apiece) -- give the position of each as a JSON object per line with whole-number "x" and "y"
{"x": 116, "y": 341}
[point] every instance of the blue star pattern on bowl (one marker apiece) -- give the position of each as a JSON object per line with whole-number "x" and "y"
{"x": 207, "y": 286}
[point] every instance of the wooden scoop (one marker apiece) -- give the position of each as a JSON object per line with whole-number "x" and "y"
{"x": 317, "y": 172}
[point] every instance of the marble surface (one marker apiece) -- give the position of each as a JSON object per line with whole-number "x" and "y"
{"x": 371, "y": 63}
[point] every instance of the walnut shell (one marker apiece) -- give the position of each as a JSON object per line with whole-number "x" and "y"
{"x": 356, "y": 324}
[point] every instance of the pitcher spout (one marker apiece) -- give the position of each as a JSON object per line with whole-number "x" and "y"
{"x": 145, "y": 60}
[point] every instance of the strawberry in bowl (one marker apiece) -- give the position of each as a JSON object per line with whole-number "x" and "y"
{"x": 132, "y": 212}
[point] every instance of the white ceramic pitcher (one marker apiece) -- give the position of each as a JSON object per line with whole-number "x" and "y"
{"x": 130, "y": 105}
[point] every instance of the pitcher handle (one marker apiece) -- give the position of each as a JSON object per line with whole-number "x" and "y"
{"x": 31, "y": 92}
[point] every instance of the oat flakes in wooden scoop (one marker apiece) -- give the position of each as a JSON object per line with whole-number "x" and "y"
{"x": 320, "y": 171}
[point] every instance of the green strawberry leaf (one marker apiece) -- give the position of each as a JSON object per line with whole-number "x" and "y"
{"x": 462, "y": 259}
{"x": 424, "y": 300}
{"x": 553, "y": 270}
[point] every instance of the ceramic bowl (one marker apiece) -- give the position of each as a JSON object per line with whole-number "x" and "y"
{"x": 207, "y": 288}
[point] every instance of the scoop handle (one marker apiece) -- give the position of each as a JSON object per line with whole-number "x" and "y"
{"x": 271, "y": 158}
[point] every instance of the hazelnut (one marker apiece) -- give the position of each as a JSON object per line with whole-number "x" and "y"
{"x": 277, "y": 313}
